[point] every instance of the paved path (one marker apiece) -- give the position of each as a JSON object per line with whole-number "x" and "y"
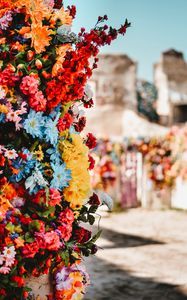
{"x": 143, "y": 257}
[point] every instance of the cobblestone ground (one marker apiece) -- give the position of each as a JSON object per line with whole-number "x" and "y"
{"x": 143, "y": 256}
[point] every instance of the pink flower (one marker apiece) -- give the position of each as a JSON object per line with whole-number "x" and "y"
{"x": 9, "y": 262}
{"x": 65, "y": 231}
{"x": 29, "y": 85}
{"x": 38, "y": 101}
{"x": 52, "y": 241}
{"x": 4, "y": 270}
{"x": 67, "y": 216}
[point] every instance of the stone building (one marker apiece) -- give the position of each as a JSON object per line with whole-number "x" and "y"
{"x": 114, "y": 87}
{"x": 115, "y": 114}
{"x": 170, "y": 78}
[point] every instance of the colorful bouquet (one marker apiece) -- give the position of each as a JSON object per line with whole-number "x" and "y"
{"x": 45, "y": 191}
{"x": 107, "y": 155}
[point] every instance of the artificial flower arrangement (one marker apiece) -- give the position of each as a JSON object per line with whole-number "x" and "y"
{"x": 45, "y": 191}
{"x": 107, "y": 155}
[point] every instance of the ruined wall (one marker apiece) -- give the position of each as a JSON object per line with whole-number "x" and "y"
{"x": 115, "y": 90}
{"x": 170, "y": 78}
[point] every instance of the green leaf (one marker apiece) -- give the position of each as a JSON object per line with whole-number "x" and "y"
{"x": 28, "y": 238}
{"x": 96, "y": 236}
{"x": 10, "y": 227}
{"x": 93, "y": 209}
{"x": 91, "y": 219}
{"x": 65, "y": 256}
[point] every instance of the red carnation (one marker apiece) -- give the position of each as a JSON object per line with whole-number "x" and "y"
{"x": 72, "y": 11}
{"x": 82, "y": 235}
{"x": 30, "y": 250}
{"x": 91, "y": 161}
{"x": 94, "y": 200}
{"x": 91, "y": 141}
{"x": 79, "y": 126}
{"x": 58, "y": 4}
{"x": 65, "y": 122}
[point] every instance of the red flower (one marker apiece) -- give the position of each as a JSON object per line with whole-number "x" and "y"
{"x": 91, "y": 161}
{"x": 91, "y": 141}
{"x": 72, "y": 11}
{"x": 65, "y": 122}
{"x": 66, "y": 216}
{"x": 57, "y": 4}
{"x": 54, "y": 197}
{"x": 20, "y": 281}
{"x": 29, "y": 250}
{"x": 2, "y": 161}
{"x": 82, "y": 235}
{"x": 79, "y": 126}
{"x": 38, "y": 101}
{"x": 22, "y": 270}
{"x": 25, "y": 294}
{"x": 2, "y": 292}
{"x": 65, "y": 231}
{"x": 94, "y": 200}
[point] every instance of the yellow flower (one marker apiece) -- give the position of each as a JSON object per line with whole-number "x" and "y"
{"x": 39, "y": 153}
{"x": 3, "y": 109}
{"x": 75, "y": 155}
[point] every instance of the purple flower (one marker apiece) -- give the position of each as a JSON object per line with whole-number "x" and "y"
{"x": 5, "y": 20}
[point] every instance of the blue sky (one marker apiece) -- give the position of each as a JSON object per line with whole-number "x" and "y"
{"x": 157, "y": 25}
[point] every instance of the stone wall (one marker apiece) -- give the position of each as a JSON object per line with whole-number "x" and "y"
{"x": 114, "y": 84}
{"x": 170, "y": 78}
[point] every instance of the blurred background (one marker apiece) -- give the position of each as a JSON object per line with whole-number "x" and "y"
{"x": 139, "y": 118}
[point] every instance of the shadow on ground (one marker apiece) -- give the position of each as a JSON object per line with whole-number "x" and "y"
{"x": 112, "y": 282}
{"x": 122, "y": 240}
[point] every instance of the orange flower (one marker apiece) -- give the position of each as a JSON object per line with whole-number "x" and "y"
{"x": 38, "y": 11}
{"x": 61, "y": 52}
{"x": 63, "y": 16}
{"x": 4, "y": 205}
{"x": 24, "y": 30}
{"x": 19, "y": 242}
{"x": 2, "y": 41}
{"x": 9, "y": 191}
{"x": 40, "y": 38}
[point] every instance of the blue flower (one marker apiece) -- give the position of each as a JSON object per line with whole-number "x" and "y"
{"x": 23, "y": 166}
{"x": 2, "y": 118}
{"x": 51, "y": 131}
{"x": 34, "y": 124}
{"x": 61, "y": 176}
{"x": 54, "y": 155}
{"x": 36, "y": 181}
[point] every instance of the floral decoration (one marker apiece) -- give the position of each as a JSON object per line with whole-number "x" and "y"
{"x": 45, "y": 191}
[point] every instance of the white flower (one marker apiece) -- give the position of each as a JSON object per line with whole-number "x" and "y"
{"x": 9, "y": 252}
{"x": 10, "y": 154}
{"x": 9, "y": 262}
{"x": 35, "y": 179}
